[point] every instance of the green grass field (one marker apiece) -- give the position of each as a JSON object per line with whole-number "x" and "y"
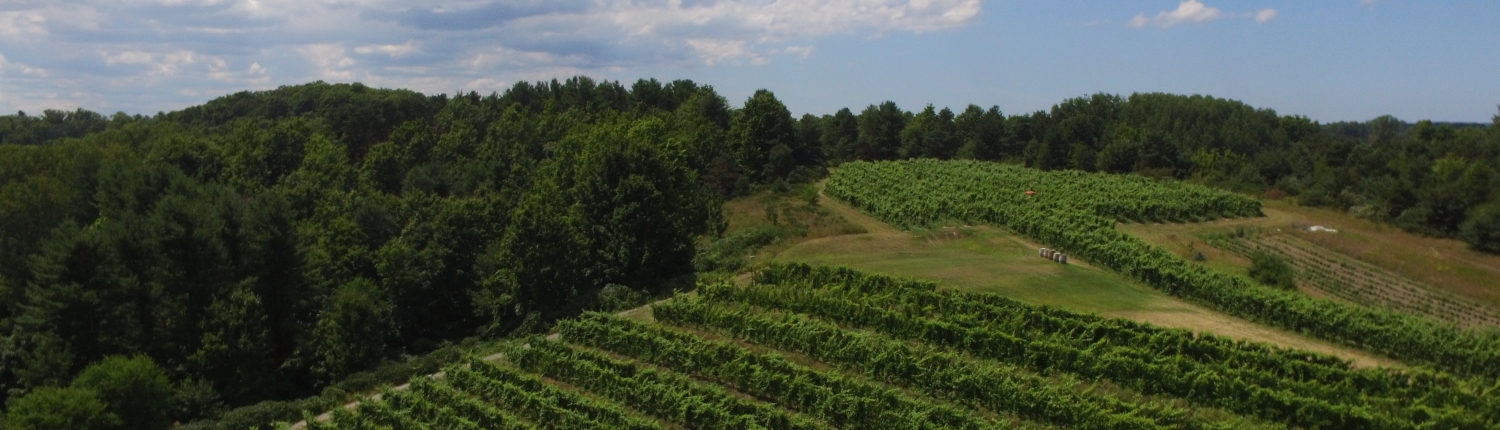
{"x": 981, "y": 259}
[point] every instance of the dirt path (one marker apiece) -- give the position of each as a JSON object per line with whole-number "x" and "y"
{"x": 873, "y": 226}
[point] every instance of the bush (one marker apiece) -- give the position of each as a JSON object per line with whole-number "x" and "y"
{"x": 616, "y": 297}
{"x": 1272, "y": 270}
{"x": 265, "y": 415}
{"x": 727, "y": 254}
{"x": 69, "y": 408}
{"x": 134, "y": 389}
{"x": 196, "y": 399}
{"x": 1481, "y": 229}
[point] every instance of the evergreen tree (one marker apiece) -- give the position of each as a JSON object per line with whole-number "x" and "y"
{"x": 840, "y": 136}
{"x": 766, "y": 138}
{"x": 880, "y": 132}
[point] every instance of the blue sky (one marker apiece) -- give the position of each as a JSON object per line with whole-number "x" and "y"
{"x": 1330, "y": 60}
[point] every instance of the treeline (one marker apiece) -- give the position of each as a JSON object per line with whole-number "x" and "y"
{"x": 23, "y": 129}
{"x": 1429, "y": 178}
{"x": 266, "y": 244}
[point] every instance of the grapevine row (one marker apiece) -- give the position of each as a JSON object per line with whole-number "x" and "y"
{"x": 842, "y": 402}
{"x": 666, "y": 395}
{"x": 1329, "y": 377}
{"x": 540, "y": 402}
{"x": 990, "y": 385}
{"x": 1215, "y": 386}
{"x": 1078, "y": 218}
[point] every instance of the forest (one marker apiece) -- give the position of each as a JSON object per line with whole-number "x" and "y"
{"x": 265, "y": 245}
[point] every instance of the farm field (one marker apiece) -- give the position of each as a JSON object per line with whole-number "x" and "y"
{"x": 991, "y": 260}
{"x": 1444, "y": 264}
{"x": 1077, "y": 213}
{"x": 1358, "y": 282}
{"x": 805, "y": 347}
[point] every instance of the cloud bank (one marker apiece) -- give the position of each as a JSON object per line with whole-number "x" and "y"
{"x": 149, "y": 55}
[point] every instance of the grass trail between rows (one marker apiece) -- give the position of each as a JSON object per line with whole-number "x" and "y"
{"x": 992, "y": 260}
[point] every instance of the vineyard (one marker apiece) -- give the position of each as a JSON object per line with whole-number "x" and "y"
{"x": 1358, "y": 282}
{"x": 1076, "y": 212}
{"x": 813, "y": 348}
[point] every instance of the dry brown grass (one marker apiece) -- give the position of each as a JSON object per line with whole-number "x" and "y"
{"x": 1446, "y": 264}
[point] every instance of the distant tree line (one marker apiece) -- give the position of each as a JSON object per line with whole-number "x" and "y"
{"x": 1428, "y": 178}
{"x": 264, "y": 244}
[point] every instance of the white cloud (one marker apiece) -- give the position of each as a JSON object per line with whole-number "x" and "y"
{"x": 714, "y": 51}
{"x": 1194, "y": 11}
{"x": 8, "y": 66}
{"x": 22, "y": 23}
{"x": 393, "y": 51}
{"x": 329, "y": 60}
{"x": 1190, "y": 11}
{"x": 801, "y": 51}
{"x": 1265, "y": 15}
{"x": 127, "y": 57}
{"x": 152, "y": 55}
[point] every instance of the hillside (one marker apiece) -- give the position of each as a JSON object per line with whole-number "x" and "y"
{"x": 985, "y": 259}
{"x": 1368, "y": 256}
{"x": 804, "y": 347}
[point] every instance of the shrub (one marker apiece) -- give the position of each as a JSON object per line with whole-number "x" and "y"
{"x": 1482, "y": 228}
{"x": 133, "y": 388}
{"x": 69, "y": 408}
{"x": 1272, "y": 270}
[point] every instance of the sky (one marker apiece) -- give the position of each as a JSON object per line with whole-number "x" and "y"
{"x": 1329, "y": 60}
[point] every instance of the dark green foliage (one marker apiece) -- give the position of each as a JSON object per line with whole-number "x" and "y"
{"x": 982, "y": 134}
{"x": 53, "y": 408}
{"x": 352, "y": 333}
{"x": 133, "y": 389}
{"x": 612, "y": 208}
{"x": 727, "y": 254}
{"x": 930, "y": 134}
{"x": 196, "y": 399}
{"x": 840, "y": 136}
{"x": 879, "y": 132}
{"x": 1271, "y": 270}
{"x": 267, "y": 243}
{"x": 23, "y": 129}
{"x": 766, "y": 137}
{"x": 1482, "y": 228}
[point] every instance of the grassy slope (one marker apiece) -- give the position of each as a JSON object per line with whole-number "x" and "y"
{"x": 1442, "y": 263}
{"x": 989, "y": 259}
